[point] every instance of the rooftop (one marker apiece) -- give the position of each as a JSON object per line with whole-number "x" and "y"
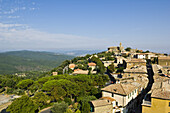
{"x": 91, "y": 64}
{"x": 161, "y": 93}
{"x": 123, "y": 89}
{"x": 136, "y": 60}
{"x": 164, "y": 58}
{"x": 101, "y": 102}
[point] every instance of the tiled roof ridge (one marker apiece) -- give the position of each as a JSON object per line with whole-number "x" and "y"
{"x": 123, "y": 89}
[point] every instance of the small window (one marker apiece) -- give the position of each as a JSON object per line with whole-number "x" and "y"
{"x": 135, "y": 90}
{"x": 112, "y": 94}
{"x": 117, "y": 103}
{"x": 169, "y": 104}
{"x": 132, "y": 92}
{"x": 128, "y": 96}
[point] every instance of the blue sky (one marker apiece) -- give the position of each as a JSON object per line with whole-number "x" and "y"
{"x": 84, "y": 24}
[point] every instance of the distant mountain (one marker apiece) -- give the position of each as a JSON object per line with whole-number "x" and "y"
{"x": 22, "y": 61}
{"x": 76, "y": 52}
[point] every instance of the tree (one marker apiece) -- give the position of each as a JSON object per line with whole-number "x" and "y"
{"x": 128, "y": 49}
{"x": 49, "y": 85}
{"x": 78, "y": 111}
{"x": 85, "y": 107}
{"x": 22, "y": 105}
{"x": 59, "y": 107}
{"x": 24, "y": 84}
{"x": 99, "y": 64}
{"x": 40, "y": 99}
{"x": 68, "y": 111}
{"x": 111, "y": 68}
{"x": 58, "y": 93}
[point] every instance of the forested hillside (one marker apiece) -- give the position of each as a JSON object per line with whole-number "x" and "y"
{"x": 22, "y": 61}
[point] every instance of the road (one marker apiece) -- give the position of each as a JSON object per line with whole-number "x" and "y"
{"x": 147, "y": 89}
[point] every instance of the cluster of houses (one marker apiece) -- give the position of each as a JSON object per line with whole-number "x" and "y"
{"x": 125, "y": 95}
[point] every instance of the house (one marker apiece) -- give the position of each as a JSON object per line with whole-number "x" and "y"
{"x": 135, "y": 71}
{"x": 80, "y": 71}
{"x": 124, "y": 94}
{"x": 159, "y": 102}
{"x": 140, "y": 56}
{"x": 83, "y": 72}
{"x": 103, "y": 105}
{"x": 150, "y": 55}
{"x": 133, "y": 50}
{"x": 135, "y": 62}
{"x": 120, "y": 61}
{"x": 55, "y": 73}
{"x": 92, "y": 65}
{"x": 72, "y": 66}
{"x": 116, "y": 49}
{"x": 164, "y": 61}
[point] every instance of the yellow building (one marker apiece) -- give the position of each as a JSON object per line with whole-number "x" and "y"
{"x": 160, "y": 102}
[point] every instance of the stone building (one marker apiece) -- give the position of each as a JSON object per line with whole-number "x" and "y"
{"x": 135, "y": 62}
{"x": 116, "y": 49}
{"x": 164, "y": 61}
{"x": 135, "y": 71}
{"x": 102, "y": 105}
{"x": 124, "y": 94}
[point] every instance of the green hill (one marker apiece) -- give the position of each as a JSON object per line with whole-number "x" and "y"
{"x": 22, "y": 61}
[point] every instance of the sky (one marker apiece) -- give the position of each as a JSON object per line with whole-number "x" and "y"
{"x": 84, "y": 24}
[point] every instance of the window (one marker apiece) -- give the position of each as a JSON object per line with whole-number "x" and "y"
{"x": 135, "y": 90}
{"x": 117, "y": 103}
{"x": 112, "y": 94}
{"x": 132, "y": 92}
{"x": 169, "y": 104}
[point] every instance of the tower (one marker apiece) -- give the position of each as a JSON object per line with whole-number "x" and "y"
{"x": 120, "y": 45}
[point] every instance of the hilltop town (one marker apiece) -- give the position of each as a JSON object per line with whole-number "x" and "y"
{"x": 118, "y": 80}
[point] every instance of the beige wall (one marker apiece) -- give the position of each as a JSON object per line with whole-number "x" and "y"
{"x": 132, "y": 64}
{"x": 164, "y": 62}
{"x": 118, "y": 98}
{"x": 103, "y": 109}
{"x": 106, "y": 94}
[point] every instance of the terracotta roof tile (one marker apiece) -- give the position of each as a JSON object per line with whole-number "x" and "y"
{"x": 160, "y": 93}
{"x": 101, "y": 102}
{"x": 123, "y": 89}
{"x": 91, "y": 64}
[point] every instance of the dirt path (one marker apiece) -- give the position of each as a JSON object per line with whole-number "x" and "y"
{"x": 4, "y": 106}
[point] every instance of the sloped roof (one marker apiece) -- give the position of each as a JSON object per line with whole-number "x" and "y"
{"x": 101, "y": 102}
{"x": 108, "y": 98}
{"x": 72, "y": 66}
{"x": 164, "y": 57}
{"x": 141, "y": 69}
{"x": 160, "y": 93}
{"x": 91, "y": 64}
{"x": 123, "y": 89}
{"x": 136, "y": 60}
{"x": 79, "y": 71}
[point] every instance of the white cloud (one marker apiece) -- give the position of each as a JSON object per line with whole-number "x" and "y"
{"x": 13, "y": 16}
{"x": 10, "y": 25}
{"x": 29, "y": 38}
